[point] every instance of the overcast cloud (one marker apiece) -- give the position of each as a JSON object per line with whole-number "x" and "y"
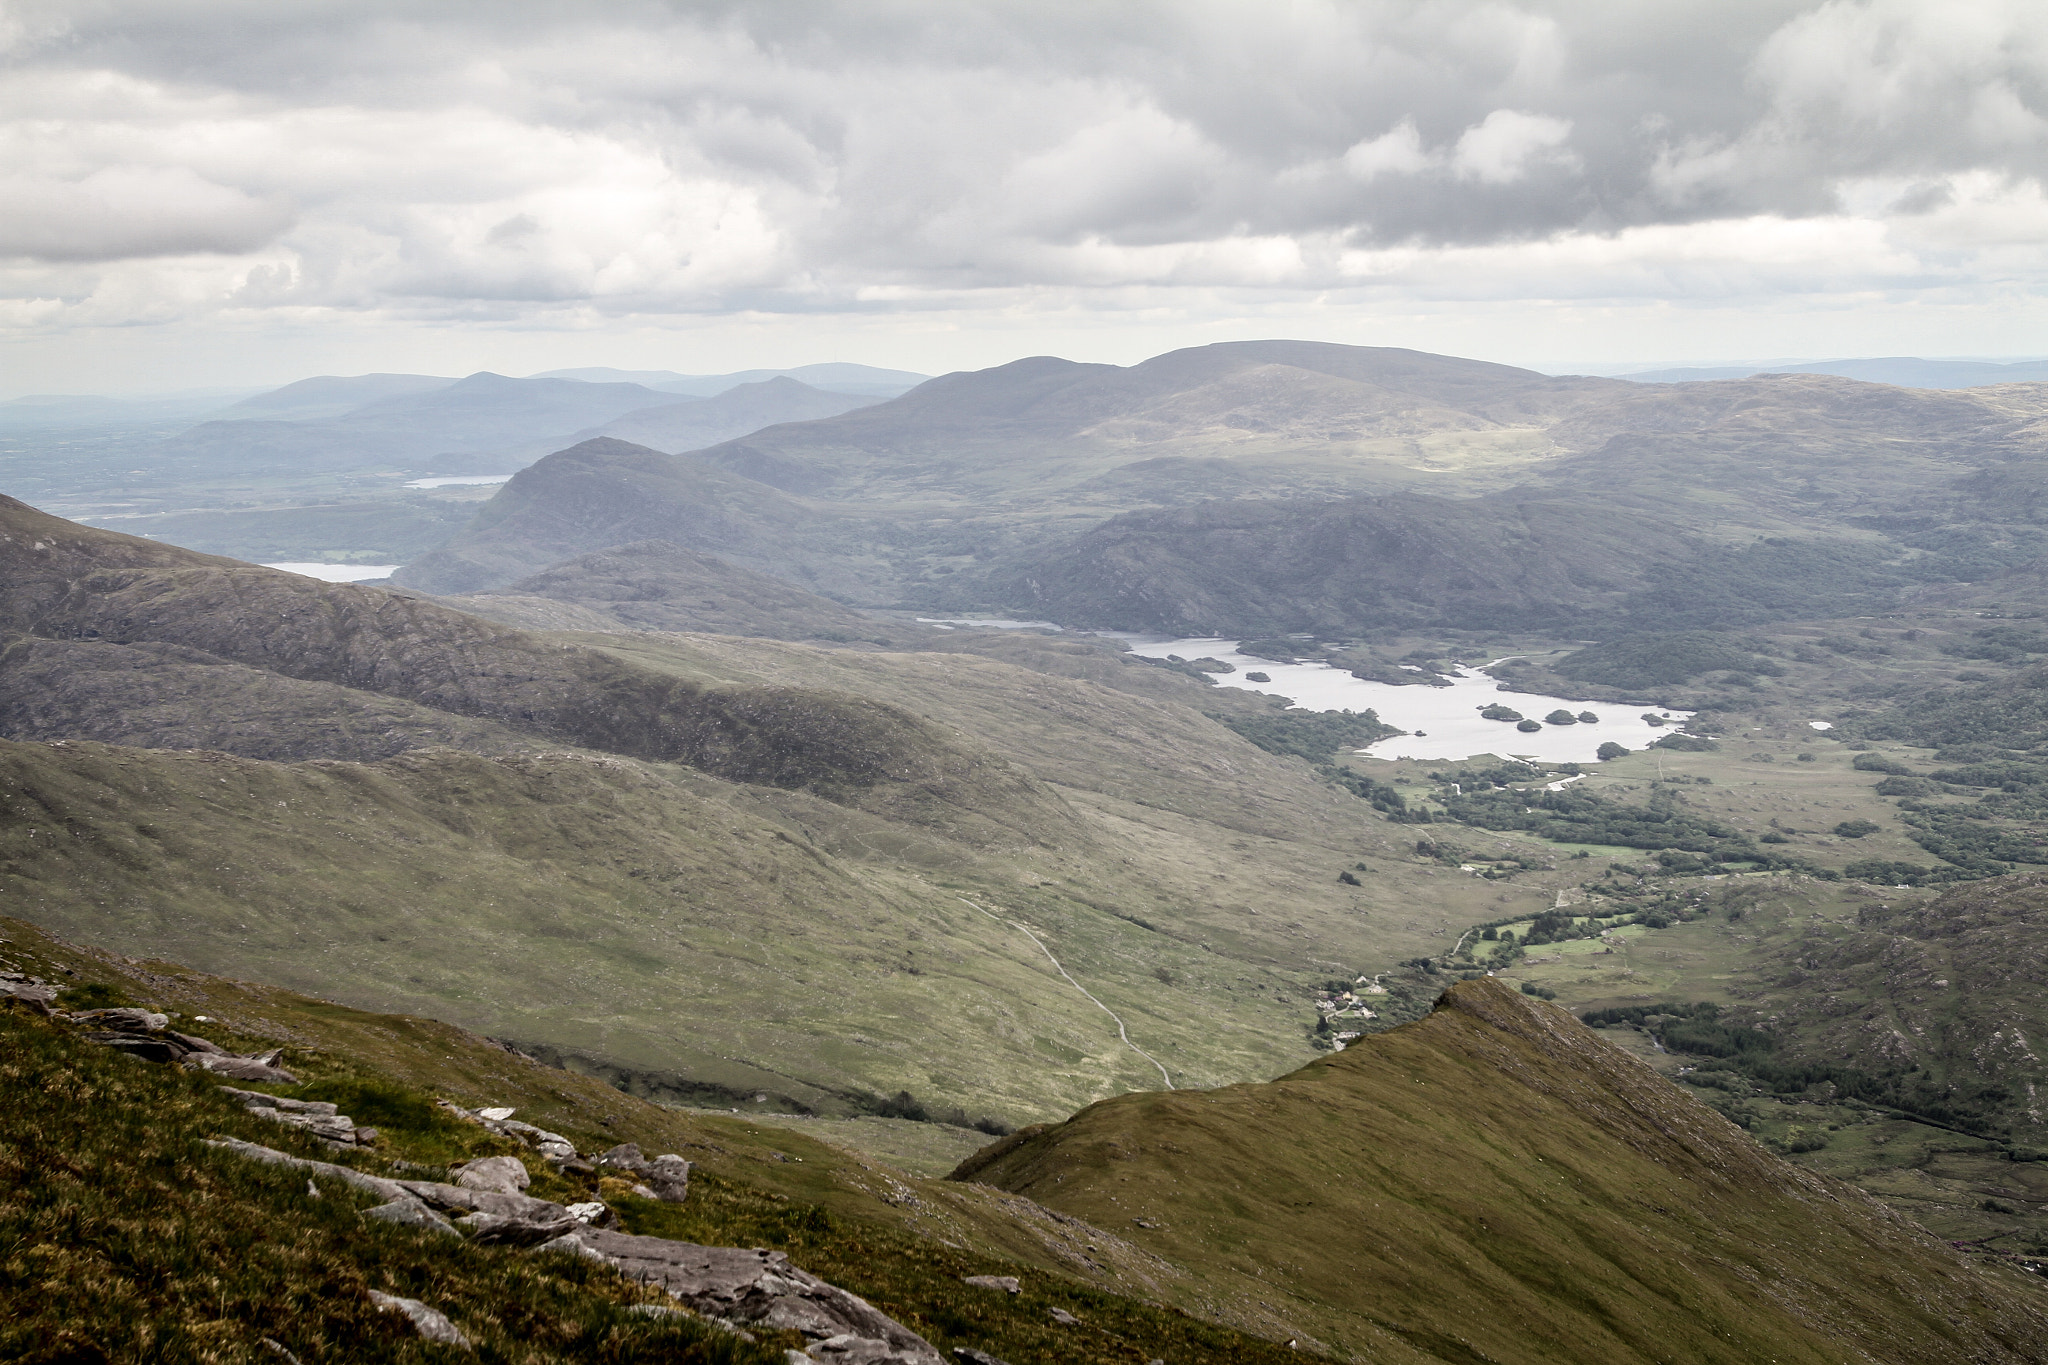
{"x": 238, "y": 169}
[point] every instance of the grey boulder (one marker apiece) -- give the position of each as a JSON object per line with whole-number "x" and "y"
{"x": 666, "y": 1178}
{"x": 1009, "y": 1284}
{"x": 430, "y": 1323}
{"x": 504, "y": 1174}
{"x": 262, "y": 1067}
{"x": 411, "y": 1213}
{"x": 759, "y": 1288}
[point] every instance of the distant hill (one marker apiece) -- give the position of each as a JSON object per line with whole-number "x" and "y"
{"x": 444, "y": 428}
{"x": 601, "y": 493}
{"x": 1306, "y": 414}
{"x": 737, "y": 411}
{"x": 1252, "y": 567}
{"x": 1054, "y": 487}
{"x": 1369, "y": 1200}
{"x": 831, "y": 377}
{"x": 329, "y": 396}
{"x": 1908, "y": 372}
{"x": 658, "y": 585}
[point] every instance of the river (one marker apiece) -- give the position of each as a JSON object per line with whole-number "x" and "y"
{"x": 1444, "y": 721}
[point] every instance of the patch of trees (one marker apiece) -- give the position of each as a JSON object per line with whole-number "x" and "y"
{"x": 1313, "y": 735}
{"x": 1966, "y": 836}
{"x": 1663, "y": 659}
{"x": 1999, "y": 645}
{"x": 1773, "y": 579}
{"x": 904, "y": 1105}
{"x": 1743, "y": 1053}
{"x": 1379, "y": 795}
{"x": 2006, "y": 715}
{"x": 1691, "y": 744}
{"x": 1574, "y": 816}
{"x": 1279, "y": 651}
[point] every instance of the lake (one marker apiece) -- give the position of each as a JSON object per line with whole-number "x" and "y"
{"x": 1447, "y": 717}
{"x": 339, "y": 573}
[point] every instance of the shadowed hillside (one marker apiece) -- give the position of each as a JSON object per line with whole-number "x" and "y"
{"x": 1496, "y": 1183}
{"x": 91, "y": 599}
{"x": 659, "y": 585}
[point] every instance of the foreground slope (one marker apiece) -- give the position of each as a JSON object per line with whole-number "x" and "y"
{"x": 100, "y": 1153}
{"x": 1496, "y": 1183}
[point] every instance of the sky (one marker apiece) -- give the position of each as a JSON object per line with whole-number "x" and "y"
{"x": 244, "y": 192}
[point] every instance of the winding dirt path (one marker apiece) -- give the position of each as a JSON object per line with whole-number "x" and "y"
{"x": 1120, "y": 1031}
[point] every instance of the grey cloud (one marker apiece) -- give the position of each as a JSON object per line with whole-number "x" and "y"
{"x": 127, "y": 211}
{"x": 954, "y": 144}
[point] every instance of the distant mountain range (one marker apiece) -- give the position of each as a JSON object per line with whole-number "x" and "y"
{"x": 1265, "y": 487}
{"x": 832, "y": 377}
{"x": 484, "y": 424}
{"x": 1909, "y": 372}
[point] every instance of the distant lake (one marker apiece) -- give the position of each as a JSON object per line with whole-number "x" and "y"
{"x": 339, "y": 573}
{"x": 1447, "y": 716}
{"x": 453, "y": 480}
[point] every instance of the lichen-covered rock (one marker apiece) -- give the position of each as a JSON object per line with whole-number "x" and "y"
{"x": 759, "y": 1288}
{"x": 504, "y": 1174}
{"x": 430, "y": 1323}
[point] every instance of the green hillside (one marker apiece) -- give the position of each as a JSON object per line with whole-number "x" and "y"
{"x": 131, "y": 1241}
{"x": 1495, "y": 1183}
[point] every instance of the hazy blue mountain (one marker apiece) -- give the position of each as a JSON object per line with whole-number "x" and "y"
{"x": 831, "y": 376}
{"x": 442, "y": 430}
{"x": 738, "y": 411}
{"x": 329, "y": 395}
{"x": 1904, "y": 371}
{"x": 40, "y": 413}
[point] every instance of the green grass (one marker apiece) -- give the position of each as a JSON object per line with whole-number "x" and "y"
{"x": 127, "y": 1239}
{"x": 1494, "y": 1183}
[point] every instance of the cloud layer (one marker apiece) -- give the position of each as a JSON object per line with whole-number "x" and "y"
{"x": 560, "y": 165}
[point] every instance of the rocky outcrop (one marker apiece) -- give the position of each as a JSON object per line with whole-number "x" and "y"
{"x": 666, "y": 1178}
{"x": 148, "y": 1035}
{"x": 38, "y": 994}
{"x": 727, "y": 1284}
{"x": 759, "y": 1288}
{"x": 318, "y": 1117}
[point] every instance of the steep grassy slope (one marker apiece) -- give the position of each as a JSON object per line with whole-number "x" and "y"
{"x": 66, "y": 583}
{"x": 129, "y": 1241}
{"x": 1495, "y": 1183}
{"x": 643, "y": 919}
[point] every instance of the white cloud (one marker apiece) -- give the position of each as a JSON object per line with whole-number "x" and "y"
{"x": 448, "y": 164}
{"x": 1508, "y": 144}
{"x": 1398, "y": 151}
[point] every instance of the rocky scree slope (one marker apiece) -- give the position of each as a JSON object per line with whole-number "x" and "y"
{"x": 1494, "y": 1182}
